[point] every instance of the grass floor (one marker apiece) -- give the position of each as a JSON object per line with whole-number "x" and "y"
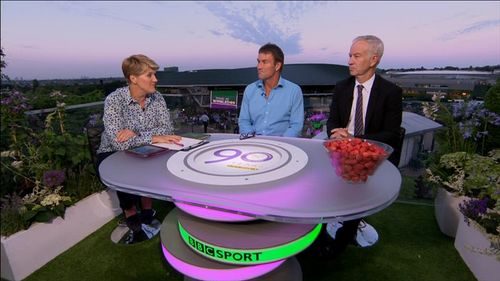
{"x": 410, "y": 247}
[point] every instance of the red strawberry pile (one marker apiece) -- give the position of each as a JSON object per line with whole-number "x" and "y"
{"x": 355, "y": 159}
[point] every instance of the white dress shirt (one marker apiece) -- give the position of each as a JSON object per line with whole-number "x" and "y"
{"x": 367, "y": 87}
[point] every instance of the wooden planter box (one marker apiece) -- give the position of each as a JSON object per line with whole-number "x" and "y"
{"x": 26, "y": 251}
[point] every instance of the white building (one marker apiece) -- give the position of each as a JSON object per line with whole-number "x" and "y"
{"x": 419, "y": 136}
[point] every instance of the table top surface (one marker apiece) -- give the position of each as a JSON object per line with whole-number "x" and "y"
{"x": 273, "y": 178}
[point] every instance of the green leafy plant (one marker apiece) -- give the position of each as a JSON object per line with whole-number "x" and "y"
{"x": 45, "y": 167}
{"x": 44, "y": 204}
{"x": 10, "y": 217}
{"x": 46, "y": 199}
{"x": 467, "y": 174}
{"x": 478, "y": 178}
{"x": 57, "y": 145}
{"x": 465, "y": 124}
{"x": 13, "y": 120}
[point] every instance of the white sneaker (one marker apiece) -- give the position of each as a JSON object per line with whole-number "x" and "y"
{"x": 331, "y": 228}
{"x": 367, "y": 235}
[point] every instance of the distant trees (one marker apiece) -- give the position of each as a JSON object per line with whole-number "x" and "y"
{"x": 492, "y": 98}
{"x": 35, "y": 85}
{"x": 480, "y": 91}
{"x": 488, "y": 68}
{"x": 40, "y": 97}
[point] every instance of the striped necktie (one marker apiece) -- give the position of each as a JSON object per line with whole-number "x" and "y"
{"x": 358, "y": 118}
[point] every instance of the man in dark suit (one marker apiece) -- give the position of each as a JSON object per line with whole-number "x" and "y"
{"x": 376, "y": 115}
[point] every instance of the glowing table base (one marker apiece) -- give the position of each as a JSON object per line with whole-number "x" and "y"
{"x": 199, "y": 260}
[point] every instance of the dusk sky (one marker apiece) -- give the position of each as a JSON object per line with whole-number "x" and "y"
{"x": 73, "y": 39}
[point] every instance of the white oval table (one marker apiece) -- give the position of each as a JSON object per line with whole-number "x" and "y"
{"x": 276, "y": 179}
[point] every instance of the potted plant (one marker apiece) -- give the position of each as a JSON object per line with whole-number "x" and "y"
{"x": 45, "y": 169}
{"x": 478, "y": 234}
{"x": 463, "y": 175}
{"x": 476, "y": 179}
{"x": 449, "y": 194}
{"x": 456, "y": 169}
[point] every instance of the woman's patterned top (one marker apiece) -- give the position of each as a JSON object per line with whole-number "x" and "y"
{"x": 121, "y": 111}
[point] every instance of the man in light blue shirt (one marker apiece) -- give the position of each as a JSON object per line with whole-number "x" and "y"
{"x": 272, "y": 105}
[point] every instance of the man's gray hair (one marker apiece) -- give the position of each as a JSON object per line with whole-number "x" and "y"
{"x": 376, "y": 45}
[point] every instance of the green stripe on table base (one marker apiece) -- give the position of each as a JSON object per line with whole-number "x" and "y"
{"x": 248, "y": 257}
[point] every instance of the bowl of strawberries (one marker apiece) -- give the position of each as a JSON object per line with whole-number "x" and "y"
{"x": 355, "y": 159}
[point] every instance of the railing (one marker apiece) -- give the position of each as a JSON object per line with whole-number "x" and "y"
{"x": 69, "y": 107}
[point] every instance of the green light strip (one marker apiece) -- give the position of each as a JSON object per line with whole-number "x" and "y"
{"x": 247, "y": 257}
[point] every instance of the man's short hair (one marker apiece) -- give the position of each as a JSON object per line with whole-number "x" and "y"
{"x": 137, "y": 65}
{"x": 274, "y": 50}
{"x": 376, "y": 45}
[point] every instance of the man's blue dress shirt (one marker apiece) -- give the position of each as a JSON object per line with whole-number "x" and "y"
{"x": 281, "y": 114}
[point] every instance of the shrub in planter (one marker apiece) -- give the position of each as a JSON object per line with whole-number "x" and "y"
{"x": 464, "y": 174}
{"x": 477, "y": 239}
{"x": 45, "y": 202}
{"x": 484, "y": 214}
{"x": 467, "y": 174}
{"x": 44, "y": 167}
{"x": 10, "y": 217}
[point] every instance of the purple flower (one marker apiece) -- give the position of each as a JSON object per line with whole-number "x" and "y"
{"x": 53, "y": 178}
{"x": 466, "y": 130}
{"x": 457, "y": 109}
{"x": 481, "y": 134}
{"x": 494, "y": 118}
{"x": 473, "y": 208}
{"x": 482, "y": 113}
{"x": 15, "y": 101}
{"x": 473, "y": 107}
{"x": 94, "y": 119}
{"x": 317, "y": 117}
{"x": 6, "y": 100}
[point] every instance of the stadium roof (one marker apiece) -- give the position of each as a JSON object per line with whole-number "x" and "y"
{"x": 301, "y": 74}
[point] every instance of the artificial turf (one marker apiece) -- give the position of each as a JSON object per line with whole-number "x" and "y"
{"x": 410, "y": 247}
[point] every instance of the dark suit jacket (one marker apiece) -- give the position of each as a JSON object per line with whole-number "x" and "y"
{"x": 383, "y": 115}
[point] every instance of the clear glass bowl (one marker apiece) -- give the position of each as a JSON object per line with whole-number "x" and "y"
{"x": 355, "y": 159}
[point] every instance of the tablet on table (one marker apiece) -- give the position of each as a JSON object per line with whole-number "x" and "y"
{"x": 146, "y": 150}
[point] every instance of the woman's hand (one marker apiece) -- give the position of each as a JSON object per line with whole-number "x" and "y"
{"x": 166, "y": 138}
{"x": 339, "y": 133}
{"x": 124, "y": 135}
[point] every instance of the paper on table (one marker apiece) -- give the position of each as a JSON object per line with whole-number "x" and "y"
{"x": 199, "y": 136}
{"x": 185, "y": 142}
